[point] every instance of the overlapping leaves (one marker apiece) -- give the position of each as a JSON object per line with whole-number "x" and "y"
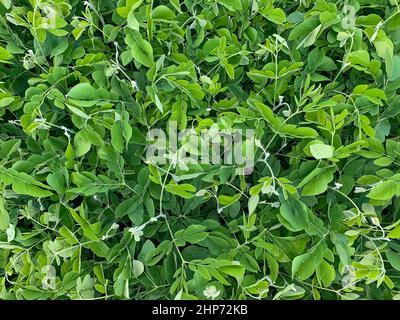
{"x": 83, "y": 215}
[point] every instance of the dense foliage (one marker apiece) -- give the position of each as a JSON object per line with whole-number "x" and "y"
{"x": 83, "y": 213}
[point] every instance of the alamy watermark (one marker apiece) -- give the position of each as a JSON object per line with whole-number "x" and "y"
{"x": 349, "y": 16}
{"x": 48, "y": 277}
{"x": 212, "y": 145}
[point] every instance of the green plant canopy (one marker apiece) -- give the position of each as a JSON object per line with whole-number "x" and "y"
{"x": 117, "y": 176}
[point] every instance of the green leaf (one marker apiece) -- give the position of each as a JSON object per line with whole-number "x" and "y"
{"x": 6, "y": 3}
{"x": 233, "y": 5}
{"x": 117, "y": 139}
{"x": 84, "y": 139}
{"x": 396, "y": 68}
{"x": 128, "y": 206}
{"x": 192, "y": 234}
{"x": 137, "y": 268}
{"x": 305, "y": 265}
{"x": 82, "y": 144}
{"x": 304, "y": 133}
{"x": 311, "y": 38}
{"x": 86, "y": 227}
{"x": 4, "y": 217}
{"x": 183, "y": 190}
{"x": 305, "y": 28}
{"x": 321, "y": 151}
{"x": 132, "y": 21}
{"x": 325, "y": 274}
{"x": 163, "y": 13}
{"x": 7, "y": 148}
{"x": 78, "y": 112}
{"x": 275, "y": 15}
{"x": 228, "y": 200}
{"x": 319, "y": 183}
{"x": 23, "y": 183}
{"x": 68, "y": 235}
{"x": 395, "y": 233}
{"x": 89, "y": 184}
{"x": 5, "y": 56}
{"x": 342, "y": 247}
{"x": 233, "y": 270}
{"x": 141, "y": 49}
{"x": 265, "y": 111}
{"x": 83, "y": 91}
{"x": 253, "y": 202}
{"x": 56, "y": 181}
{"x": 297, "y": 217}
{"x": 383, "y": 191}
{"x": 394, "y": 259}
{"x": 360, "y": 57}
{"x": 155, "y": 255}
